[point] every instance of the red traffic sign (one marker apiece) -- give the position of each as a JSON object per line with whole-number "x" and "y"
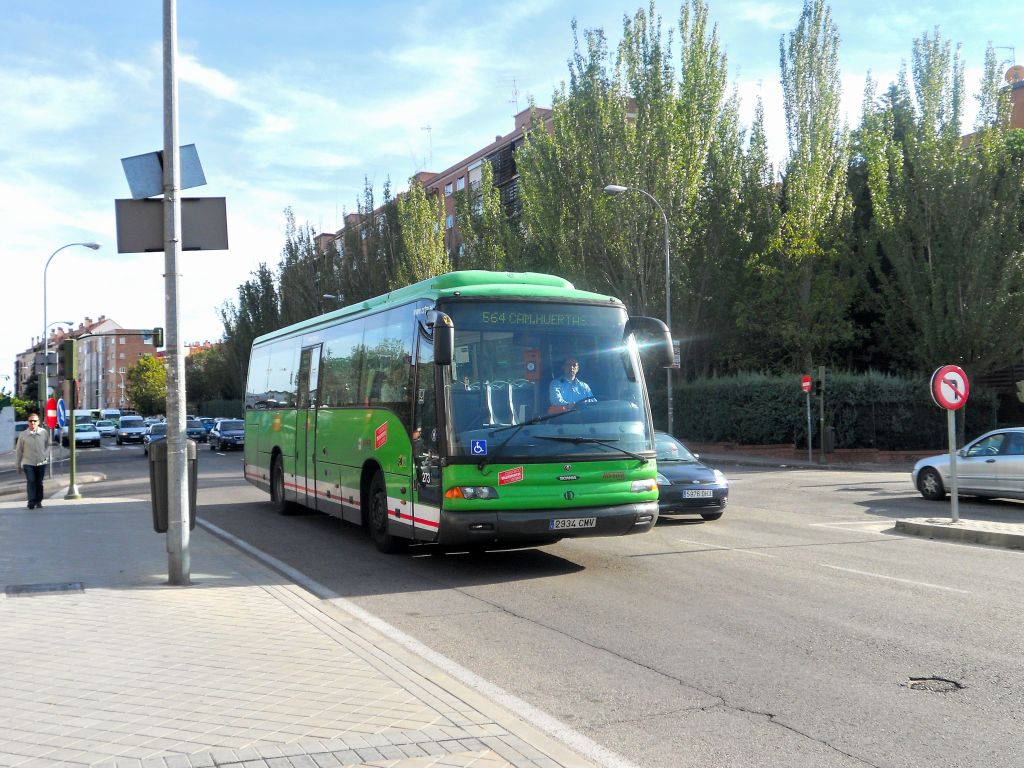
{"x": 950, "y": 387}
{"x": 805, "y": 383}
{"x": 51, "y": 413}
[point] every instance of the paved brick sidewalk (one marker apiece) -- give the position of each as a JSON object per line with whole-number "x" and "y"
{"x": 102, "y": 663}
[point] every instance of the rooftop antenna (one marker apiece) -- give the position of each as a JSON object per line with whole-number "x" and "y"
{"x": 515, "y": 96}
{"x": 430, "y": 141}
{"x": 1011, "y": 59}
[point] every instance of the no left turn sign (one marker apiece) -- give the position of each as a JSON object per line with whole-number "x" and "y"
{"x": 950, "y": 387}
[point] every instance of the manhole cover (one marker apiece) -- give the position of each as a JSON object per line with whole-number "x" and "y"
{"x": 20, "y": 590}
{"x": 934, "y": 684}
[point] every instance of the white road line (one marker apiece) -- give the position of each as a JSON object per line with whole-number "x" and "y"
{"x": 723, "y": 549}
{"x": 893, "y": 578}
{"x": 531, "y": 714}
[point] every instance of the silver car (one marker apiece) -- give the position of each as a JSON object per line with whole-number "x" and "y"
{"x": 992, "y": 466}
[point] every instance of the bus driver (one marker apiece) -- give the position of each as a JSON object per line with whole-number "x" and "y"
{"x": 567, "y": 390}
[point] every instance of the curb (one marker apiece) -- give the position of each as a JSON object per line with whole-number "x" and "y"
{"x": 964, "y": 532}
{"x": 50, "y": 484}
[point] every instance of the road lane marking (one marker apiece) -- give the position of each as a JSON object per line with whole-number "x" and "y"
{"x": 721, "y": 548}
{"x": 893, "y": 578}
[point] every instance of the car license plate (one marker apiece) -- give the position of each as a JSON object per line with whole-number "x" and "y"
{"x": 704, "y": 493}
{"x": 565, "y": 523}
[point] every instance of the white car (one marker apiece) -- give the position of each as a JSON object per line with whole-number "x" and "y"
{"x": 106, "y": 428}
{"x": 991, "y": 465}
{"x": 85, "y": 434}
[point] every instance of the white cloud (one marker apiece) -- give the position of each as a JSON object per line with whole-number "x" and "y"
{"x": 772, "y": 16}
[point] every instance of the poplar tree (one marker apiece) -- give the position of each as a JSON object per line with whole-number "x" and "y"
{"x": 637, "y": 119}
{"x": 421, "y": 221}
{"x": 947, "y": 216}
{"x": 805, "y": 282}
{"x": 257, "y": 312}
{"x": 488, "y": 236}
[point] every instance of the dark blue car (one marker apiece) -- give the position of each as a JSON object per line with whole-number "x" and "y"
{"x": 153, "y": 433}
{"x": 194, "y": 430}
{"x": 227, "y": 434}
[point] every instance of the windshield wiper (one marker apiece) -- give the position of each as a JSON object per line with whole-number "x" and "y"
{"x": 515, "y": 431}
{"x": 596, "y": 441}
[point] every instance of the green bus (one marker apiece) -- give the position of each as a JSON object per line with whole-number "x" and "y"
{"x": 426, "y": 414}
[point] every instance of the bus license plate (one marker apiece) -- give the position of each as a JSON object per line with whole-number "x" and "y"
{"x": 701, "y": 494}
{"x": 564, "y": 523}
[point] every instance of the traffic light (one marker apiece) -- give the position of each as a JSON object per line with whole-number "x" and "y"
{"x": 158, "y": 337}
{"x": 70, "y": 349}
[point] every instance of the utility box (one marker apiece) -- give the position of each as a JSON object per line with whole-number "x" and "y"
{"x": 830, "y": 439}
{"x": 158, "y": 483}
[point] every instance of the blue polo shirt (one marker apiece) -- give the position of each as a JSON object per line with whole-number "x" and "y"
{"x": 569, "y": 391}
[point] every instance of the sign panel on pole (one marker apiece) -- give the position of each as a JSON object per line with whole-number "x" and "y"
{"x": 805, "y": 383}
{"x": 950, "y": 387}
{"x": 51, "y": 413}
{"x": 62, "y": 413}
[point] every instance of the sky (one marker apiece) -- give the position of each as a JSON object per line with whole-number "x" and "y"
{"x": 294, "y": 105}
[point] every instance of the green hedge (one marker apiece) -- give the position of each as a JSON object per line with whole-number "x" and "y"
{"x": 229, "y": 409}
{"x": 869, "y": 410}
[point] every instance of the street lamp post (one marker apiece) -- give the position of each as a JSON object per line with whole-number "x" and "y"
{"x": 120, "y": 403}
{"x": 46, "y": 332}
{"x": 43, "y": 384}
{"x": 616, "y": 189}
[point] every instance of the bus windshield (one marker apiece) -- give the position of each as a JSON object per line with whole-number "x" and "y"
{"x": 543, "y": 381}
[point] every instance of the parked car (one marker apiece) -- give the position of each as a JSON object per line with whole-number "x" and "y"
{"x": 85, "y": 434}
{"x": 991, "y": 465}
{"x": 130, "y": 429}
{"x": 207, "y": 423}
{"x": 685, "y": 485}
{"x": 19, "y": 427}
{"x": 194, "y": 430}
{"x": 106, "y": 428}
{"x": 153, "y": 433}
{"x": 227, "y": 434}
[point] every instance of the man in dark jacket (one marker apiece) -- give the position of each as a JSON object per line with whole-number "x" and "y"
{"x": 30, "y": 456}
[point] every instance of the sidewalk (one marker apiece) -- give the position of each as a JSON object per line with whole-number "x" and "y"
{"x": 102, "y": 663}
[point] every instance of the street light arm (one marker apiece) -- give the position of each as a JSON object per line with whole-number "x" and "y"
{"x": 618, "y": 189}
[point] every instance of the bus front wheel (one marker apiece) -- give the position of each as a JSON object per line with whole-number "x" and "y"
{"x": 378, "y": 518}
{"x": 277, "y": 498}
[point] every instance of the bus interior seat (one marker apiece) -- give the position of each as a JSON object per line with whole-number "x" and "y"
{"x": 524, "y": 402}
{"x": 499, "y": 403}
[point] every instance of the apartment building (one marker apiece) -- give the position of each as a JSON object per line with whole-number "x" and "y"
{"x": 106, "y": 351}
{"x": 466, "y": 174}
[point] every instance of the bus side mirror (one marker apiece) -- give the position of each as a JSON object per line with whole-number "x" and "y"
{"x": 444, "y": 336}
{"x": 653, "y": 340}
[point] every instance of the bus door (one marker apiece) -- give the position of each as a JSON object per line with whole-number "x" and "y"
{"x": 425, "y": 442}
{"x": 305, "y": 429}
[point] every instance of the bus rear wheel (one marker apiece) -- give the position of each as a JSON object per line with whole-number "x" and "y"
{"x": 378, "y": 518}
{"x": 277, "y": 497}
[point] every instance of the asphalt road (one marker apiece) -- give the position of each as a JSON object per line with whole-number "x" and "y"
{"x": 798, "y": 630}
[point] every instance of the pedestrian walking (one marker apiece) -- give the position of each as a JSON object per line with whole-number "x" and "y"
{"x": 30, "y": 458}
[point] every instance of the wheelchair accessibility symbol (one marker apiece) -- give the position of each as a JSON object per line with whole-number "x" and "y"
{"x": 478, "y": 447}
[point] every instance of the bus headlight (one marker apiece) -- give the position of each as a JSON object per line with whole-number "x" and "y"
{"x": 471, "y": 492}
{"x": 643, "y": 486}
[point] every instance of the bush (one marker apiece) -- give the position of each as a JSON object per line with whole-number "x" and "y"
{"x": 867, "y": 410}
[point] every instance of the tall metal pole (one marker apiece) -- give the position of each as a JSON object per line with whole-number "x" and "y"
{"x": 178, "y": 557}
{"x": 668, "y": 302}
{"x": 617, "y": 189}
{"x": 43, "y": 383}
{"x": 954, "y": 491}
